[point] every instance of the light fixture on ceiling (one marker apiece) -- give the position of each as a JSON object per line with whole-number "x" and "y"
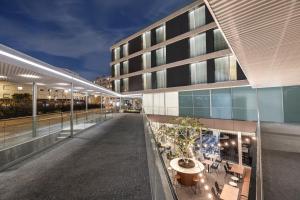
{"x": 62, "y": 84}
{"x": 90, "y": 90}
{"x": 3, "y": 77}
{"x": 20, "y": 88}
{"x": 78, "y": 88}
{"x": 29, "y": 76}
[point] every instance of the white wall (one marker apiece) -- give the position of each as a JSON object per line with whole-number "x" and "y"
{"x": 161, "y": 103}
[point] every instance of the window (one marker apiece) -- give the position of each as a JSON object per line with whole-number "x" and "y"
{"x": 198, "y": 72}
{"x": 197, "y": 17}
{"x": 117, "y": 85}
{"x": 117, "y": 69}
{"x": 161, "y": 56}
{"x": 147, "y": 81}
{"x": 125, "y": 84}
{"x": 146, "y": 60}
{"x": 160, "y": 34}
{"x": 198, "y": 45}
{"x": 125, "y": 67}
{"x": 219, "y": 41}
{"x": 225, "y": 69}
{"x": 117, "y": 53}
{"x": 161, "y": 79}
{"x": 146, "y": 39}
{"x": 125, "y": 50}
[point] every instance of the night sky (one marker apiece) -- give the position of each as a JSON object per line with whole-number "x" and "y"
{"x": 77, "y": 34}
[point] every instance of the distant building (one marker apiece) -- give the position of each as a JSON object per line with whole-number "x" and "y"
{"x": 104, "y": 81}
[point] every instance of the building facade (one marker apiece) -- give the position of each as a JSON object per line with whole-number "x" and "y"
{"x": 104, "y": 81}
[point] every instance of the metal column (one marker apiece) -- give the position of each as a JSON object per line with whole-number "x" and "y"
{"x": 86, "y": 105}
{"x": 259, "y": 176}
{"x": 71, "y": 111}
{"x": 240, "y": 152}
{"x": 34, "y": 108}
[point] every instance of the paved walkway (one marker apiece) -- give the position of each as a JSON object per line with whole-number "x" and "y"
{"x": 105, "y": 162}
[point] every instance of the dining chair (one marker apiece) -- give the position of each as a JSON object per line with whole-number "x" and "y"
{"x": 218, "y": 188}
{"x": 215, "y": 166}
{"x": 215, "y": 195}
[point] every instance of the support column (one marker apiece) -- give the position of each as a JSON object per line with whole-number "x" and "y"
{"x": 259, "y": 176}
{"x": 240, "y": 152}
{"x": 72, "y": 111}
{"x": 86, "y": 105}
{"x": 34, "y": 108}
{"x": 101, "y": 103}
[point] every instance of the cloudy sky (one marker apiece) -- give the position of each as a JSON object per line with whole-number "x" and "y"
{"x": 77, "y": 34}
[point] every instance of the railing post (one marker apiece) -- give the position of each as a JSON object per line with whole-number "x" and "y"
{"x": 34, "y": 108}
{"x": 71, "y": 110}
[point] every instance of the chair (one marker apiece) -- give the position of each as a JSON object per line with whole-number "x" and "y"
{"x": 205, "y": 157}
{"x": 215, "y": 195}
{"x": 228, "y": 166}
{"x": 227, "y": 171}
{"x": 219, "y": 161}
{"x": 215, "y": 166}
{"x": 218, "y": 189}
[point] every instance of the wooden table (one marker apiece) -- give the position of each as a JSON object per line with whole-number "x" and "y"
{"x": 239, "y": 169}
{"x": 187, "y": 174}
{"x": 208, "y": 163}
{"x": 229, "y": 193}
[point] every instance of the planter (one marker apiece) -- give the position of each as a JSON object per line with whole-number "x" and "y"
{"x": 186, "y": 163}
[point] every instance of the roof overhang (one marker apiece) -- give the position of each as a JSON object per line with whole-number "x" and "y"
{"x": 264, "y": 36}
{"x": 23, "y": 69}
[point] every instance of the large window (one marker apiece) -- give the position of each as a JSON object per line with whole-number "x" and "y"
{"x": 125, "y": 50}
{"x": 198, "y": 45}
{"x": 146, "y": 39}
{"x": 160, "y": 34}
{"x": 125, "y": 85}
{"x": 125, "y": 67}
{"x": 117, "y": 53}
{"x": 161, "y": 56}
{"x": 117, "y": 69}
{"x": 147, "y": 81}
{"x": 161, "y": 79}
{"x": 117, "y": 85}
{"x": 219, "y": 41}
{"x": 146, "y": 60}
{"x": 198, "y": 72}
{"x": 197, "y": 17}
{"x": 225, "y": 69}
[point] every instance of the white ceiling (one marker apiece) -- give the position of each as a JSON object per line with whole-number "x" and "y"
{"x": 265, "y": 37}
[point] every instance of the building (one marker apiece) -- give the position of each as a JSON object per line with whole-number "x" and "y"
{"x": 186, "y": 65}
{"x": 104, "y": 81}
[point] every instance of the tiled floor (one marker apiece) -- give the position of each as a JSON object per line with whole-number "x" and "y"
{"x": 188, "y": 193}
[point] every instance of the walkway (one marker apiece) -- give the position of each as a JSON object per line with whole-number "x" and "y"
{"x": 105, "y": 162}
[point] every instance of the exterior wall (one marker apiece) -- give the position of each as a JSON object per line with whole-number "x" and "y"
{"x": 178, "y": 44}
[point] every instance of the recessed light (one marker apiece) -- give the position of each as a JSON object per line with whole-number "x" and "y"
{"x": 78, "y": 88}
{"x": 20, "y": 88}
{"x": 29, "y": 76}
{"x": 3, "y": 77}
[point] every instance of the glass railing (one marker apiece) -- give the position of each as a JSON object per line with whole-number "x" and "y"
{"x": 16, "y": 131}
{"x": 160, "y": 181}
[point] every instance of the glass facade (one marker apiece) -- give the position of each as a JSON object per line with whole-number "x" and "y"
{"x": 125, "y": 50}
{"x": 117, "y": 53}
{"x": 198, "y": 72}
{"x": 198, "y": 45}
{"x": 161, "y": 78}
{"x": 146, "y": 37}
{"x": 117, "y": 85}
{"x": 240, "y": 103}
{"x": 146, "y": 60}
{"x": 225, "y": 69}
{"x": 161, "y": 56}
{"x": 147, "y": 81}
{"x": 160, "y": 34}
{"x": 197, "y": 17}
{"x": 117, "y": 69}
{"x": 125, "y": 67}
{"x": 125, "y": 85}
{"x": 219, "y": 41}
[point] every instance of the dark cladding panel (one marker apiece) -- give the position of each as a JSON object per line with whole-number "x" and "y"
{"x": 153, "y": 80}
{"x": 113, "y": 85}
{"x": 135, "y": 45}
{"x": 112, "y": 71}
{"x": 153, "y": 58}
{"x": 210, "y": 71}
{"x": 121, "y": 85}
{"x": 135, "y": 83}
{"x": 177, "y": 26}
{"x": 239, "y": 72}
{"x": 153, "y": 37}
{"x": 208, "y": 17}
{"x": 178, "y": 76}
{"x": 178, "y": 51}
{"x": 210, "y": 41}
{"x": 121, "y": 68}
{"x": 135, "y": 64}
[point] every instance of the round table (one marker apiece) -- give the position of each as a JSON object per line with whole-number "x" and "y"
{"x": 187, "y": 174}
